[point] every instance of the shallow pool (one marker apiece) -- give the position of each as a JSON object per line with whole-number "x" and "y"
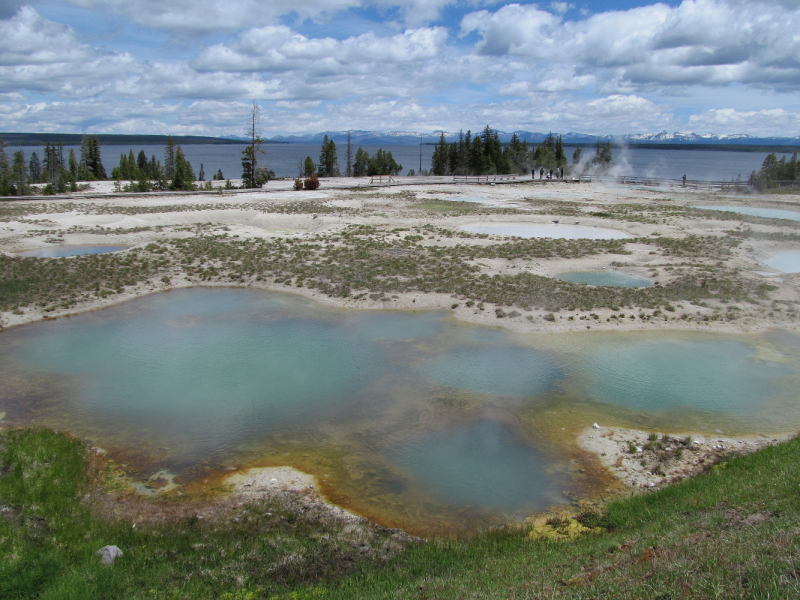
{"x": 411, "y": 418}
{"x": 786, "y": 262}
{"x": 556, "y": 231}
{"x": 770, "y": 213}
{"x": 62, "y": 251}
{"x": 609, "y": 278}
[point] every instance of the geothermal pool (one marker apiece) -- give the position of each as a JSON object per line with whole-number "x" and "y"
{"x": 770, "y": 213}
{"x": 556, "y": 231}
{"x": 787, "y": 262}
{"x": 413, "y": 419}
{"x": 609, "y": 278}
{"x": 62, "y": 251}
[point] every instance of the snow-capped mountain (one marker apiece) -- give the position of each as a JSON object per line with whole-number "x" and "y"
{"x": 375, "y": 138}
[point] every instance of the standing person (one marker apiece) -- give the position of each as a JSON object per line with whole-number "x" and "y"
{"x": 533, "y": 173}
{"x": 684, "y": 181}
{"x": 550, "y": 174}
{"x": 541, "y": 173}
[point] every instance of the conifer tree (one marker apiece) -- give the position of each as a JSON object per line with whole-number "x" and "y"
{"x": 84, "y": 172}
{"x": 308, "y": 167}
{"x": 360, "y": 163}
{"x": 349, "y": 171}
{"x": 440, "y": 157}
{"x": 328, "y": 159}
{"x": 141, "y": 163}
{"x": 19, "y": 175}
{"x": 184, "y": 175}
{"x": 35, "y": 169}
{"x": 98, "y": 170}
{"x": 202, "y": 175}
{"x": 5, "y": 171}
{"x": 73, "y": 165}
{"x": 169, "y": 159}
{"x": 252, "y": 175}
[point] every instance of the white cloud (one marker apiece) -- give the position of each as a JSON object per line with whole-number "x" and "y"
{"x": 707, "y": 42}
{"x": 612, "y": 72}
{"x": 769, "y": 122}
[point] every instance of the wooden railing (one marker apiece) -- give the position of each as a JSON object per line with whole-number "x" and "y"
{"x": 663, "y": 182}
{"x": 482, "y": 178}
{"x": 381, "y": 179}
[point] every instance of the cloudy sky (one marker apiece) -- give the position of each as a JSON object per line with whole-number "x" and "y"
{"x": 193, "y": 66}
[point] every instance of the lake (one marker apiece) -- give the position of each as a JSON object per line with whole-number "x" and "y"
{"x": 414, "y": 419}
{"x": 286, "y": 159}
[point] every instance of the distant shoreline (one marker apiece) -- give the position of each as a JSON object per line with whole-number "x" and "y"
{"x": 74, "y": 139}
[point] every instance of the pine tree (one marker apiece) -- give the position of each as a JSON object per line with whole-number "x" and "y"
{"x": 169, "y": 159}
{"x": 440, "y": 157}
{"x": 349, "y": 171}
{"x": 576, "y": 156}
{"x": 360, "y": 163}
{"x": 73, "y": 165}
{"x": 98, "y": 170}
{"x": 19, "y": 174}
{"x": 35, "y": 169}
{"x": 328, "y": 159}
{"x": 141, "y": 163}
{"x": 184, "y": 175}
{"x": 561, "y": 158}
{"x": 252, "y": 175}
{"x": 5, "y": 171}
{"x": 308, "y": 167}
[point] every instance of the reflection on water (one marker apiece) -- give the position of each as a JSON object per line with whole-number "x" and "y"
{"x": 62, "y": 251}
{"x": 411, "y": 418}
{"x": 529, "y": 230}
{"x": 610, "y": 278}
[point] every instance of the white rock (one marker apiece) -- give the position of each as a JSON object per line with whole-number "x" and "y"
{"x": 108, "y": 554}
{"x": 595, "y": 426}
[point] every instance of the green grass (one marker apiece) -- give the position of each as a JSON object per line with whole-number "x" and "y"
{"x": 733, "y": 532}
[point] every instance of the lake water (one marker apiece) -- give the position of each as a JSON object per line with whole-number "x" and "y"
{"x": 411, "y": 418}
{"x": 770, "y": 213}
{"x": 62, "y": 251}
{"x": 529, "y": 230}
{"x": 609, "y": 278}
{"x": 286, "y": 159}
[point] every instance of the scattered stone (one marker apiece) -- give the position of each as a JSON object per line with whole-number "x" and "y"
{"x": 595, "y": 426}
{"x": 107, "y": 554}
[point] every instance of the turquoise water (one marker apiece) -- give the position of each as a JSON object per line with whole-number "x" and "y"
{"x": 409, "y": 417}
{"x": 678, "y": 374}
{"x": 61, "y": 251}
{"x": 460, "y": 465}
{"x": 610, "y": 278}
{"x": 787, "y": 262}
{"x": 555, "y": 231}
{"x": 770, "y": 213}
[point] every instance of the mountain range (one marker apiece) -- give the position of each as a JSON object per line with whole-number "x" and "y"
{"x": 374, "y": 138}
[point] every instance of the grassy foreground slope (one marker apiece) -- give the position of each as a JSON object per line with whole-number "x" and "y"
{"x": 733, "y": 532}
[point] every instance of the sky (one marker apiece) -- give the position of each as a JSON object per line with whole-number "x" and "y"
{"x": 194, "y": 67}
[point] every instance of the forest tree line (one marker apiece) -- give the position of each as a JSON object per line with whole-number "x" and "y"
{"x": 773, "y": 171}
{"x": 484, "y": 154}
{"x": 58, "y": 172}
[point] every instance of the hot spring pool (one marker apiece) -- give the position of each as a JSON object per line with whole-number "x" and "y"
{"x": 411, "y": 418}
{"x": 62, "y": 251}
{"x": 770, "y": 213}
{"x": 556, "y": 231}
